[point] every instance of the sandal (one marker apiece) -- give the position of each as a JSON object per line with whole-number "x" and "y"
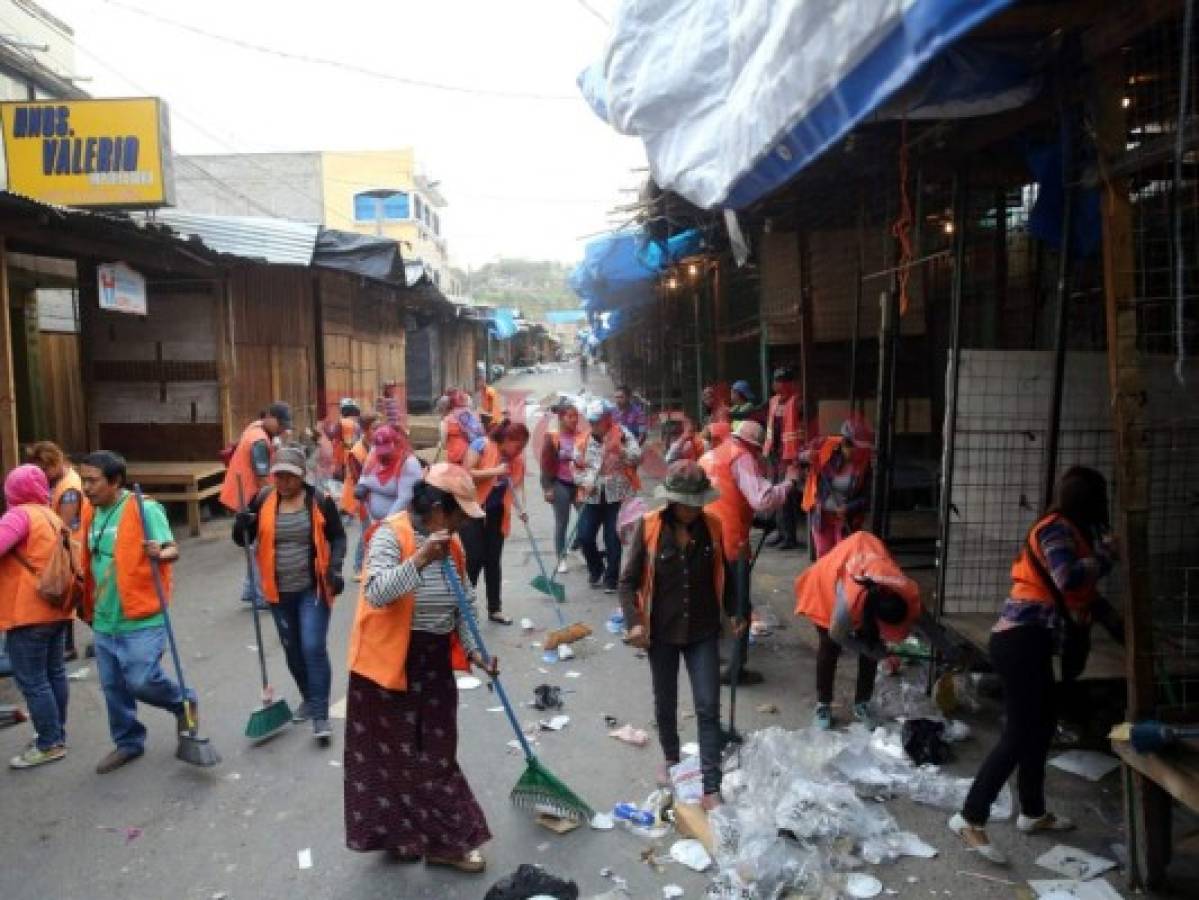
{"x": 975, "y": 838}
{"x": 472, "y": 863}
{"x": 499, "y": 618}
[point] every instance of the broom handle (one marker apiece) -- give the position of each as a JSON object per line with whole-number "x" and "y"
{"x": 451, "y": 577}
{"x": 250, "y": 573}
{"x": 162, "y": 604}
{"x": 537, "y": 555}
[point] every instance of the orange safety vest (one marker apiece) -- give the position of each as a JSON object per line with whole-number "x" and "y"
{"x": 489, "y": 458}
{"x": 268, "y": 513}
{"x": 652, "y": 530}
{"x": 456, "y": 443}
{"x": 792, "y": 428}
{"x": 859, "y": 458}
{"x": 242, "y": 464}
{"x": 341, "y": 448}
{"x": 380, "y": 636}
{"x": 735, "y": 514}
{"x": 135, "y": 584}
{"x": 609, "y": 446}
{"x": 1029, "y": 587}
{"x": 70, "y": 481}
{"x": 20, "y": 603}
{"x": 349, "y": 503}
{"x": 860, "y": 554}
{"x": 490, "y": 404}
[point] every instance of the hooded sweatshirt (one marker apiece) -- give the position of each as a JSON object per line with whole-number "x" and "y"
{"x": 24, "y": 484}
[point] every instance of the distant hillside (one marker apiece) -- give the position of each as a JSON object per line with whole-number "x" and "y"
{"x": 532, "y": 286}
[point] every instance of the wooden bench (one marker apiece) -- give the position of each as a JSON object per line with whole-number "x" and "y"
{"x": 180, "y": 482}
{"x": 1106, "y": 661}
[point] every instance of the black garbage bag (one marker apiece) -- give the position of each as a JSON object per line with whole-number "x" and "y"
{"x": 532, "y": 881}
{"x": 546, "y": 696}
{"x": 924, "y": 741}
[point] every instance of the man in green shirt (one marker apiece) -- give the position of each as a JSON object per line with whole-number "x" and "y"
{"x": 122, "y": 605}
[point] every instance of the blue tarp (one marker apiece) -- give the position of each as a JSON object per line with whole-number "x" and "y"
{"x": 503, "y": 324}
{"x": 620, "y": 269}
{"x": 565, "y": 316}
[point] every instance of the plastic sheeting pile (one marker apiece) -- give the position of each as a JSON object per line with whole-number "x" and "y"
{"x": 796, "y": 819}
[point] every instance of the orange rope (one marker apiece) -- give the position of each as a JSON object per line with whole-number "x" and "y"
{"x": 902, "y": 229}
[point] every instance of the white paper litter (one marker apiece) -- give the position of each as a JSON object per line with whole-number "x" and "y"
{"x": 1086, "y": 764}
{"x": 1073, "y": 863}
{"x": 690, "y": 749}
{"x": 495, "y": 709}
{"x": 691, "y": 853}
{"x": 304, "y": 858}
{"x": 527, "y": 624}
{"x": 468, "y": 682}
{"x": 338, "y": 709}
{"x": 1097, "y": 889}
{"x": 557, "y": 723}
{"x": 335, "y": 763}
{"x": 572, "y": 674}
{"x": 861, "y": 885}
{"x": 602, "y": 822}
{"x": 81, "y": 674}
{"x": 671, "y": 891}
{"x": 630, "y": 735}
{"x": 564, "y": 652}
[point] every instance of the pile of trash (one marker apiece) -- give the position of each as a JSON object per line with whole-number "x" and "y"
{"x": 805, "y": 808}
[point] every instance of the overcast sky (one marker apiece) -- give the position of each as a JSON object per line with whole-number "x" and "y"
{"x": 522, "y": 177}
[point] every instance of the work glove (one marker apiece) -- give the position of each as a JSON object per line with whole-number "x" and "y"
{"x": 337, "y": 584}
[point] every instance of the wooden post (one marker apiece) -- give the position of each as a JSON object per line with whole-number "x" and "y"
{"x": 10, "y": 451}
{"x": 89, "y": 323}
{"x": 804, "y": 310}
{"x": 1147, "y": 807}
{"x": 225, "y": 355}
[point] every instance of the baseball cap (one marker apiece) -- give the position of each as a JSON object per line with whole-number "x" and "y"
{"x": 743, "y": 388}
{"x": 290, "y": 459}
{"x": 597, "y": 409}
{"x": 456, "y": 481}
{"x": 751, "y": 433}
{"x": 281, "y": 411}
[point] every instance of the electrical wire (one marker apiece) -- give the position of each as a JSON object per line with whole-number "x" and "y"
{"x": 328, "y": 62}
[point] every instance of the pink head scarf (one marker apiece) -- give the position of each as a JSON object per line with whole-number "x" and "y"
{"x": 26, "y": 484}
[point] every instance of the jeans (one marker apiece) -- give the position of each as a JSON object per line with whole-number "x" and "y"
{"x": 1023, "y": 659}
{"x": 302, "y": 620}
{"x": 827, "y": 654}
{"x": 703, "y": 670}
{"x": 251, "y": 585}
{"x": 38, "y": 668}
{"x": 483, "y": 540}
{"x": 593, "y": 517}
{"x": 360, "y": 549}
{"x": 563, "y": 503}
{"x": 130, "y": 671}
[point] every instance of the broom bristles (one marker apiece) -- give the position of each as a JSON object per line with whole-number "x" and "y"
{"x": 268, "y": 720}
{"x": 539, "y": 789}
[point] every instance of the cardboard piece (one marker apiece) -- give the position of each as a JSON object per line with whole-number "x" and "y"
{"x": 555, "y": 824}
{"x": 691, "y": 821}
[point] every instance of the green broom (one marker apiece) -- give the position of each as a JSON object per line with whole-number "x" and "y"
{"x": 273, "y": 715}
{"x": 538, "y": 788}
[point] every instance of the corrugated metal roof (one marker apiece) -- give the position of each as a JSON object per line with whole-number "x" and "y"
{"x": 279, "y": 241}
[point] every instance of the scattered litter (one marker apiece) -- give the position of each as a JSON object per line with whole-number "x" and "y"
{"x": 468, "y": 682}
{"x": 1096, "y": 889}
{"x": 532, "y": 881}
{"x": 602, "y": 822}
{"x": 564, "y": 652}
{"x": 541, "y": 848}
{"x": 219, "y": 895}
{"x": 335, "y": 763}
{"x": 769, "y": 709}
{"x": 536, "y": 645}
{"x": 1087, "y": 764}
{"x": 619, "y": 883}
{"x": 338, "y": 709}
{"x": 690, "y": 749}
{"x": 609, "y": 646}
{"x": 691, "y": 853}
{"x": 83, "y": 673}
{"x": 527, "y": 624}
{"x": 253, "y": 648}
{"x": 543, "y": 671}
{"x": 862, "y": 886}
{"x": 671, "y": 891}
{"x": 495, "y": 709}
{"x": 557, "y": 723}
{"x": 956, "y": 731}
{"x": 649, "y": 856}
{"x": 688, "y": 780}
{"x": 630, "y": 735}
{"x": 611, "y": 721}
{"x": 556, "y": 824}
{"x": 547, "y": 696}
{"x": 233, "y": 776}
{"x": 615, "y": 623}
{"x": 924, "y": 741}
{"x": 549, "y": 657}
{"x": 130, "y": 832}
{"x": 1073, "y": 863}
{"x": 991, "y": 878}
{"x": 304, "y": 858}
{"x": 572, "y": 674}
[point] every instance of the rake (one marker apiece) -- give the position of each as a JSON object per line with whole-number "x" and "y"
{"x": 564, "y": 634}
{"x": 538, "y": 789}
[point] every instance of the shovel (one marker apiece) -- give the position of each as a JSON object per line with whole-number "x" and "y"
{"x": 192, "y": 749}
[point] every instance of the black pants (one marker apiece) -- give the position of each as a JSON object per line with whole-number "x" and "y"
{"x": 703, "y": 670}
{"x": 483, "y": 540}
{"x": 827, "y": 654}
{"x": 787, "y": 517}
{"x": 1023, "y": 659}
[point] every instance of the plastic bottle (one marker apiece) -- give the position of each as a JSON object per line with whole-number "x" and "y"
{"x": 628, "y": 812}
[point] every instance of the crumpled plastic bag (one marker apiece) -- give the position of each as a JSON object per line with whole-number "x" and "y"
{"x": 532, "y": 881}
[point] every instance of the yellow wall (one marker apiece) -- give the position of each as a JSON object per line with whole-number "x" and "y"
{"x": 348, "y": 173}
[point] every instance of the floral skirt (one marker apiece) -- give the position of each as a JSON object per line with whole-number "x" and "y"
{"x": 404, "y": 790}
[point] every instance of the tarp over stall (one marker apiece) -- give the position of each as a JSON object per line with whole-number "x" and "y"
{"x": 733, "y": 97}
{"x": 619, "y": 269}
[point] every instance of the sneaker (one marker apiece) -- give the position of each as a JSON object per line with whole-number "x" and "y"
{"x": 864, "y": 714}
{"x": 823, "y": 717}
{"x": 321, "y": 730}
{"x": 595, "y": 583}
{"x": 1047, "y": 822}
{"x": 303, "y": 713}
{"x": 563, "y": 567}
{"x": 31, "y": 756}
{"x": 975, "y": 838}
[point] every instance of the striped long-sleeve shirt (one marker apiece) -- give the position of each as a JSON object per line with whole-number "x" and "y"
{"x": 389, "y": 576}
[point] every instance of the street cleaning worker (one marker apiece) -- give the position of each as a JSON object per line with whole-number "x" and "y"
{"x": 734, "y": 468}
{"x": 673, "y": 594}
{"x": 491, "y": 408}
{"x": 389, "y": 474}
{"x": 784, "y": 441}
{"x": 347, "y": 434}
{"x": 837, "y": 492}
{"x": 608, "y": 478}
{"x": 497, "y": 465}
{"x": 629, "y": 414}
{"x": 743, "y": 404}
{"x": 404, "y": 791}
{"x": 561, "y": 456}
{"x": 460, "y": 427}
{"x": 121, "y": 604}
{"x": 355, "y": 463}
{"x": 300, "y": 545}
{"x": 858, "y": 598}
{"x": 251, "y": 465}
{"x": 29, "y": 534}
{"x": 66, "y": 499}
{"x": 1053, "y": 602}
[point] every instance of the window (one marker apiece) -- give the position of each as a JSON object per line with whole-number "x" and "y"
{"x": 419, "y": 206}
{"x": 389, "y": 206}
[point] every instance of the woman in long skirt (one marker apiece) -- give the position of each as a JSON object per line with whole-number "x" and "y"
{"x": 404, "y": 791}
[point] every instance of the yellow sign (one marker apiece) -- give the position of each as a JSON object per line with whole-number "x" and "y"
{"x": 89, "y": 152}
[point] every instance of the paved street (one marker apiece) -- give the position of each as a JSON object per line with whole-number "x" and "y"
{"x": 158, "y": 828}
